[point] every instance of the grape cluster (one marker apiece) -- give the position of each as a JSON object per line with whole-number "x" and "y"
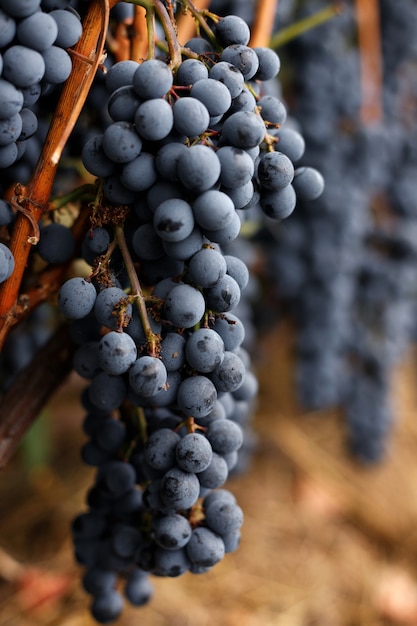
{"x": 34, "y": 37}
{"x": 158, "y": 323}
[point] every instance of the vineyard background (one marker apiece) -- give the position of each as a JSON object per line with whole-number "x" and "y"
{"x": 326, "y": 541}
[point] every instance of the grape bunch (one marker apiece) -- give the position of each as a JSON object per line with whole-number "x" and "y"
{"x": 159, "y": 322}
{"x": 34, "y": 37}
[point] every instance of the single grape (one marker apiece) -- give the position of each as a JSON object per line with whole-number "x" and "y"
{"x": 69, "y": 28}
{"x": 116, "y": 352}
{"x": 193, "y": 453}
{"x": 207, "y": 267}
{"x": 147, "y": 376}
{"x": 204, "y": 350}
{"x": 152, "y": 79}
{"x": 205, "y": 548}
{"x": 56, "y": 244}
{"x": 173, "y": 220}
{"x": 184, "y": 306}
{"x": 196, "y": 396}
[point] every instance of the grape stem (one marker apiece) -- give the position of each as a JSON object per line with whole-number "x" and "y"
{"x": 304, "y": 25}
{"x": 198, "y": 16}
{"x": 157, "y": 7}
{"x": 137, "y": 294}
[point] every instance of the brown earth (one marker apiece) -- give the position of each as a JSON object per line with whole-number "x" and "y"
{"x": 326, "y": 542}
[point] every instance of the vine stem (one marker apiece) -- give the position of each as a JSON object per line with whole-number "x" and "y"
{"x": 264, "y": 23}
{"x": 195, "y": 12}
{"x": 369, "y": 35}
{"x": 137, "y": 294}
{"x": 298, "y": 28}
{"x": 32, "y": 389}
{"x": 174, "y": 48}
{"x": 186, "y": 21}
{"x": 34, "y": 197}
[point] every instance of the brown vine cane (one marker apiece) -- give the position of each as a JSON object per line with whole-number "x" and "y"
{"x": 33, "y": 199}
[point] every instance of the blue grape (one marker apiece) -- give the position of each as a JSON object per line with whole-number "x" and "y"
{"x": 228, "y": 233}
{"x": 308, "y": 183}
{"x": 110, "y": 436}
{"x": 6, "y": 213}
{"x": 196, "y": 396}
{"x": 20, "y": 8}
{"x": 116, "y": 477}
{"x": 138, "y": 589}
{"x": 216, "y": 473}
{"x": 10, "y": 129}
{"x": 23, "y": 66}
{"x": 224, "y": 295}
{"x": 147, "y": 376}
{"x": 190, "y": 71}
{"x": 123, "y": 103}
{"x": 243, "y": 129}
{"x": 173, "y": 351}
{"x": 174, "y": 220}
{"x": 232, "y": 29}
{"x": 191, "y": 117}
{"x": 69, "y": 28}
{"x": 166, "y": 160}
{"x": 109, "y": 305}
{"x": 223, "y": 517}
{"x": 107, "y": 607}
{"x": 199, "y": 168}
{"x": 184, "y": 306}
{"x": 237, "y": 166}
{"x": 193, "y": 453}
{"x": 113, "y": 188}
{"x": 11, "y": 99}
{"x": 186, "y": 248}
{"x": 229, "y": 75}
{"x": 269, "y": 63}
{"x": 172, "y": 532}
{"x": 38, "y": 31}
{"x": 279, "y": 204}
{"x": 116, "y": 352}
{"x": 229, "y": 374}
{"x": 224, "y": 436}
{"x": 171, "y": 563}
{"x": 231, "y": 330}
{"x": 97, "y": 581}
{"x": 121, "y": 143}
{"x": 120, "y": 75}
{"x": 207, "y": 267}
{"x": 76, "y": 298}
{"x": 7, "y": 29}
{"x": 205, "y": 548}
{"x": 213, "y": 94}
{"x": 139, "y": 174}
{"x": 29, "y": 123}
{"x": 107, "y": 392}
{"x": 160, "y": 448}
{"x": 204, "y": 350}
{"x": 146, "y": 243}
{"x": 56, "y": 244}
{"x": 275, "y": 171}
{"x": 179, "y": 490}
{"x": 272, "y": 110}
{"x": 6, "y": 263}
{"x": 243, "y": 58}
{"x": 152, "y": 79}
{"x": 291, "y": 143}
{"x": 245, "y": 101}
{"x": 8, "y": 154}
{"x": 154, "y": 119}
{"x": 58, "y": 65}
{"x": 237, "y": 269}
{"x": 94, "y": 158}
{"x": 85, "y": 360}
{"x": 213, "y": 209}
